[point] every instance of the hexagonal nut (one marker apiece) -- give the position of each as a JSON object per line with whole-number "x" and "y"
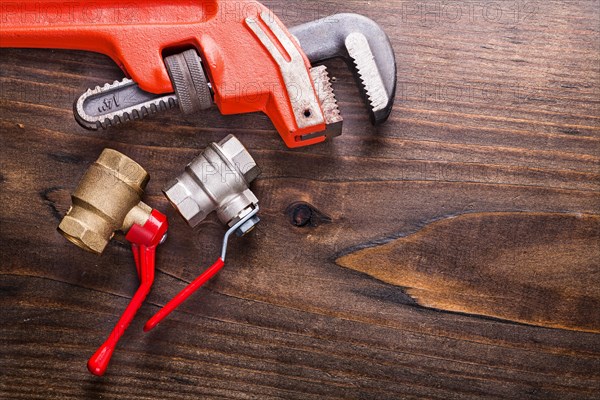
{"x": 248, "y": 226}
{"x": 240, "y": 157}
{"x": 251, "y": 174}
{"x": 124, "y": 168}
{"x": 76, "y": 232}
{"x": 185, "y": 205}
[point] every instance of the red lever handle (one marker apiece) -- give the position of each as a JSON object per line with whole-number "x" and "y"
{"x": 184, "y": 294}
{"x": 143, "y": 244}
{"x": 201, "y": 280}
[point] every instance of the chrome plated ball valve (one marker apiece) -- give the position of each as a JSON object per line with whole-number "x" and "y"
{"x": 217, "y": 180}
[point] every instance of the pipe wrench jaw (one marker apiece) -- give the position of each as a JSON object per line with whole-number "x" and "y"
{"x": 367, "y": 51}
{"x": 309, "y": 91}
{"x": 328, "y": 104}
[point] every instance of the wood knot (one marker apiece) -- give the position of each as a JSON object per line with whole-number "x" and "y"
{"x": 302, "y": 214}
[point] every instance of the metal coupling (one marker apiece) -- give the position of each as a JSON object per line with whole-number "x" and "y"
{"x": 108, "y": 199}
{"x": 217, "y": 180}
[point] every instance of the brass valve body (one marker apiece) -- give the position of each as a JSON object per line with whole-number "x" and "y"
{"x": 108, "y": 199}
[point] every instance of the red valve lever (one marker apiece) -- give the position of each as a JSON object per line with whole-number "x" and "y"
{"x": 199, "y": 281}
{"x": 143, "y": 244}
{"x": 184, "y": 294}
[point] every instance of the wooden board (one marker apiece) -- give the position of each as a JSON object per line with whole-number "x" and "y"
{"x": 491, "y": 264}
{"x": 494, "y": 146}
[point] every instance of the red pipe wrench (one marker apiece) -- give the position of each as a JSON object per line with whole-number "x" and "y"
{"x": 239, "y": 56}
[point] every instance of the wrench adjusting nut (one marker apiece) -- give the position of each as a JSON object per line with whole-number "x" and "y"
{"x": 217, "y": 180}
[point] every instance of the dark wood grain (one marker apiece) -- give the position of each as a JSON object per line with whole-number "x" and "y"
{"x": 491, "y": 264}
{"x": 498, "y": 113}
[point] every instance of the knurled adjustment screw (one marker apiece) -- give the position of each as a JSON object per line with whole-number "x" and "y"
{"x": 189, "y": 81}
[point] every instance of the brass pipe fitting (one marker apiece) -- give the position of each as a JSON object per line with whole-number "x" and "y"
{"x": 217, "y": 180}
{"x": 108, "y": 199}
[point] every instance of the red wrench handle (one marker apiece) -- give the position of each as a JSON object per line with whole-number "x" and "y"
{"x": 244, "y": 73}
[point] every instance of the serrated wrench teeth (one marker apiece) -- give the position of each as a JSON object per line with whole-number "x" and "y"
{"x": 366, "y": 70}
{"x": 366, "y": 49}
